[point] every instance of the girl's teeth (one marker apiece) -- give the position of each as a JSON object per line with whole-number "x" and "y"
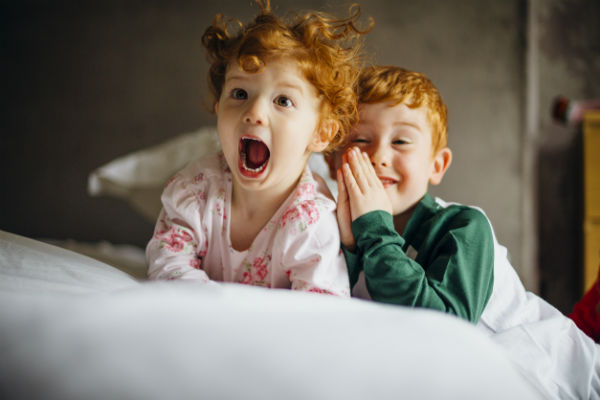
{"x": 247, "y": 168}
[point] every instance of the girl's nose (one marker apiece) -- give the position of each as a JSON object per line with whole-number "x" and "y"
{"x": 255, "y": 113}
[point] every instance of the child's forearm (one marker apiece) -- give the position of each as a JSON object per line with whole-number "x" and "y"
{"x": 163, "y": 263}
{"x": 320, "y": 274}
{"x": 172, "y": 253}
{"x": 353, "y": 262}
{"x": 163, "y": 266}
{"x": 446, "y": 281}
{"x": 312, "y": 258}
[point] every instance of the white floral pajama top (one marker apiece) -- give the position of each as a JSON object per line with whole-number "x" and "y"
{"x": 299, "y": 248}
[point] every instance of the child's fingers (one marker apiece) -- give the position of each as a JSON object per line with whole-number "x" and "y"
{"x": 342, "y": 199}
{"x": 358, "y": 169}
{"x": 369, "y": 172}
{"x": 350, "y": 185}
{"x": 366, "y": 167}
{"x": 342, "y": 193}
{"x": 368, "y": 176}
{"x": 343, "y": 214}
{"x": 353, "y": 190}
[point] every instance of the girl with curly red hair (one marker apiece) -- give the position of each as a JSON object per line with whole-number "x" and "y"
{"x": 255, "y": 213}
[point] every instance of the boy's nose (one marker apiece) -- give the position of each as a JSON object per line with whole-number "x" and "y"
{"x": 381, "y": 163}
{"x": 379, "y": 158}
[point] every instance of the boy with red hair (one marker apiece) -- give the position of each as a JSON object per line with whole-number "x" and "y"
{"x": 404, "y": 247}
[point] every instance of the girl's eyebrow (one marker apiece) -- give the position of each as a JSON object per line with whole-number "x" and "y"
{"x": 235, "y": 77}
{"x": 289, "y": 84}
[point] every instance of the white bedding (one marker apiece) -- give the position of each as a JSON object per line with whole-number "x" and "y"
{"x": 75, "y": 328}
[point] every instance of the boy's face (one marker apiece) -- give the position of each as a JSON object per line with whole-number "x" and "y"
{"x": 267, "y": 124}
{"x": 398, "y": 140}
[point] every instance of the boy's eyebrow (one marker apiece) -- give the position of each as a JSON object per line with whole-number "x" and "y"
{"x": 405, "y": 123}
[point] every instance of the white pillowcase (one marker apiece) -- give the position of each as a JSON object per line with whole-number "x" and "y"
{"x": 139, "y": 177}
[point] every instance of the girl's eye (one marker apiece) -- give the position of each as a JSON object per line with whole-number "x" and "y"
{"x": 400, "y": 142}
{"x": 359, "y": 140}
{"x": 239, "y": 94}
{"x": 283, "y": 101}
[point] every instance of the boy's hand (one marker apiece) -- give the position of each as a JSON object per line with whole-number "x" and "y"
{"x": 365, "y": 192}
{"x": 343, "y": 214}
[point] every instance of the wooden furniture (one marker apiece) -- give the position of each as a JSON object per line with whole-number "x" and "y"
{"x": 591, "y": 197}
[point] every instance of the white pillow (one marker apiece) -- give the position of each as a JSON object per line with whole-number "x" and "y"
{"x": 180, "y": 340}
{"x": 139, "y": 177}
{"x": 30, "y": 267}
{"x": 75, "y": 328}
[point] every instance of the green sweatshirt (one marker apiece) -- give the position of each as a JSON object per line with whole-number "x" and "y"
{"x": 444, "y": 260}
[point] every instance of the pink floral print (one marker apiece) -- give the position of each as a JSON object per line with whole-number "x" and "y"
{"x": 171, "y": 180}
{"x": 191, "y": 240}
{"x": 174, "y": 239}
{"x": 195, "y": 263}
{"x": 305, "y": 191}
{"x": 303, "y": 215}
{"x": 317, "y": 290}
{"x": 256, "y": 272}
{"x": 202, "y": 195}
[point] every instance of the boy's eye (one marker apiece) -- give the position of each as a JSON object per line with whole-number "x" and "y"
{"x": 359, "y": 140}
{"x": 239, "y": 94}
{"x": 283, "y": 101}
{"x": 400, "y": 142}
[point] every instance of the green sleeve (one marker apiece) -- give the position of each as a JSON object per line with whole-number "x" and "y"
{"x": 353, "y": 262}
{"x": 453, "y": 271}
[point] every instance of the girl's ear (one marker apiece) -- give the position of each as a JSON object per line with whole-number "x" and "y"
{"x": 441, "y": 162}
{"x": 324, "y": 135}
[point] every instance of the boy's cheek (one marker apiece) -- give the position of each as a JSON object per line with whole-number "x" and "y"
{"x": 334, "y": 162}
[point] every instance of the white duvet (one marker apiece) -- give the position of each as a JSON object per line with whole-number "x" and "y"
{"x": 75, "y": 328}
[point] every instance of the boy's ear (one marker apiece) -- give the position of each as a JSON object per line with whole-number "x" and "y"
{"x": 441, "y": 162}
{"x": 325, "y": 133}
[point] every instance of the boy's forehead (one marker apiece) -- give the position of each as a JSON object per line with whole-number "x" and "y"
{"x": 387, "y": 113}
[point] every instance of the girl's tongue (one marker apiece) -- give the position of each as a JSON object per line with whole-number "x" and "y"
{"x": 256, "y": 154}
{"x": 254, "y": 157}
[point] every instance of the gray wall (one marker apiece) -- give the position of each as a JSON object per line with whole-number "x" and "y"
{"x": 567, "y": 62}
{"x": 473, "y": 51}
{"x": 88, "y": 82}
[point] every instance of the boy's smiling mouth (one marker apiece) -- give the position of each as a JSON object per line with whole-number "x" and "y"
{"x": 387, "y": 181}
{"x": 253, "y": 156}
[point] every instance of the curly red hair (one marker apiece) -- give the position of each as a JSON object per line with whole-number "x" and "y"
{"x": 325, "y": 48}
{"x": 397, "y": 85}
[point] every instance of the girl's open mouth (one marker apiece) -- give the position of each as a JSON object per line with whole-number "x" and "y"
{"x": 253, "y": 156}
